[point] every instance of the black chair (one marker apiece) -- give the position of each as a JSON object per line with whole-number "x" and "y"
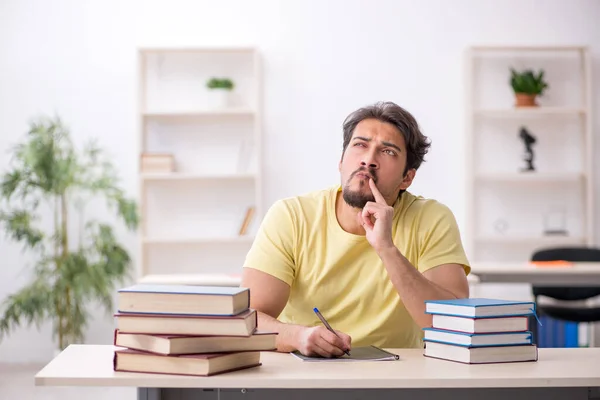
{"x": 561, "y": 309}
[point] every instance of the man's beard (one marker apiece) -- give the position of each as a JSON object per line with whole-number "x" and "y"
{"x": 355, "y": 198}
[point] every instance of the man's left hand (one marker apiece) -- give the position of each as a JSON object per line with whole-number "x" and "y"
{"x": 376, "y": 218}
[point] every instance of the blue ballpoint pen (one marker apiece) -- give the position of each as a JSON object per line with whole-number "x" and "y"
{"x": 324, "y": 321}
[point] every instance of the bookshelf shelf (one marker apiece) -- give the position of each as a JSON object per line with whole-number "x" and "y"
{"x": 232, "y": 280}
{"x": 527, "y": 49}
{"x": 198, "y": 114}
{"x": 200, "y": 149}
{"x": 532, "y": 112}
{"x": 533, "y": 177}
{"x": 203, "y": 241}
{"x": 531, "y": 240}
{"x": 199, "y": 50}
{"x": 194, "y": 177}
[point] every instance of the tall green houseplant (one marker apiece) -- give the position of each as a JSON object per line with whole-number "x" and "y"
{"x": 77, "y": 261}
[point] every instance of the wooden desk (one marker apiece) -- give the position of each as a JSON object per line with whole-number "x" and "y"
{"x": 567, "y": 373}
{"x": 580, "y": 274}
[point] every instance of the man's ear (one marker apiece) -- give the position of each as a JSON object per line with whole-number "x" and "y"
{"x": 408, "y": 178}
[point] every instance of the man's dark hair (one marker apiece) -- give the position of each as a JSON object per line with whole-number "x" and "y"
{"x": 417, "y": 144}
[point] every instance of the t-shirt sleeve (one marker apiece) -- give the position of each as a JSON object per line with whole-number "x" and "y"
{"x": 440, "y": 239}
{"x": 272, "y": 249}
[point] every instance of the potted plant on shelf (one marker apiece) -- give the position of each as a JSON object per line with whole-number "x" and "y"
{"x": 527, "y": 86}
{"x": 219, "y": 90}
{"x": 77, "y": 261}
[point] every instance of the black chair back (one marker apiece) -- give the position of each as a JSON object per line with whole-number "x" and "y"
{"x": 573, "y": 254}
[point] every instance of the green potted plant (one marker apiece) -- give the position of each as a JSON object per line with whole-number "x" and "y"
{"x": 219, "y": 90}
{"x": 527, "y": 86}
{"x": 78, "y": 261}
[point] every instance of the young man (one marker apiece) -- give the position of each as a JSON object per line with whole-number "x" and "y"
{"x": 366, "y": 253}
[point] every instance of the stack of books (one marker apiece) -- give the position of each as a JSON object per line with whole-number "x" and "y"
{"x": 479, "y": 331}
{"x": 187, "y": 330}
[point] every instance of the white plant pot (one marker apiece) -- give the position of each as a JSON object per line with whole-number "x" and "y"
{"x": 219, "y": 98}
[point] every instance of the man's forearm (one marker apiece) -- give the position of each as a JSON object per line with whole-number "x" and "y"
{"x": 287, "y": 333}
{"x": 411, "y": 285}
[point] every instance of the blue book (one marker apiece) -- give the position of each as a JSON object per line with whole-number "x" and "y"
{"x": 477, "y": 339}
{"x": 571, "y": 334}
{"x": 541, "y": 332}
{"x": 559, "y": 340}
{"x": 183, "y": 299}
{"x": 480, "y": 308}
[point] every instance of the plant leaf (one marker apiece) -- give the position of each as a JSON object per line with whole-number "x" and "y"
{"x": 32, "y": 304}
{"x": 18, "y": 226}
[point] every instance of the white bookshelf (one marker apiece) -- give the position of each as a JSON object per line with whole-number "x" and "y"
{"x": 507, "y": 209}
{"x": 191, "y": 216}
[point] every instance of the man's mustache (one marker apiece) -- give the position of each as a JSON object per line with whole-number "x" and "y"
{"x": 363, "y": 169}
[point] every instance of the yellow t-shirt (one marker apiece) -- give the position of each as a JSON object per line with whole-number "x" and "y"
{"x": 301, "y": 243}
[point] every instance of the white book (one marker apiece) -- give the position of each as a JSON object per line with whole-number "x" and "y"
{"x": 481, "y": 355}
{"x": 480, "y": 325}
{"x": 477, "y": 339}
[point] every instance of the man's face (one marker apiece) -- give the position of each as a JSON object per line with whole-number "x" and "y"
{"x": 376, "y": 151}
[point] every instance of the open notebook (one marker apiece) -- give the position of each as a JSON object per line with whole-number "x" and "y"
{"x": 366, "y": 353}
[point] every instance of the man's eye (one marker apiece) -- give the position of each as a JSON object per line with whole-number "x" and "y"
{"x": 390, "y": 152}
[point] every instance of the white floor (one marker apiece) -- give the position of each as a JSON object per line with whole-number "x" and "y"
{"x": 17, "y": 382}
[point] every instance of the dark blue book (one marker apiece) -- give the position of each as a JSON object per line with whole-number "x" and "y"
{"x": 480, "y": 308}
{"x": 183, "y": 299}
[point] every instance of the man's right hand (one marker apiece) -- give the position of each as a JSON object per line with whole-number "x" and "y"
{"x": 318, "y": 340}
{"x": 269, "y": 295}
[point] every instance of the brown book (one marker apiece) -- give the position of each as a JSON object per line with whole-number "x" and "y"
{"x": 157, "y": 162}
{"x": 183, "y": 344}
{"x": 128, "y": 360}
{"x": 247, "y": 220}
{"x": 183, "y": 299}
{"x": 243, "y": 324}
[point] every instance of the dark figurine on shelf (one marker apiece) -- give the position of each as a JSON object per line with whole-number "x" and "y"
{"x": 528, "y": 140}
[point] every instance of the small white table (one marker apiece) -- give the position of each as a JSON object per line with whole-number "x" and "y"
{"x": 559, "y": 373}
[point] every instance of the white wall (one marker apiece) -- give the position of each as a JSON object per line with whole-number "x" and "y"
{"x": 322, "y": 59}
